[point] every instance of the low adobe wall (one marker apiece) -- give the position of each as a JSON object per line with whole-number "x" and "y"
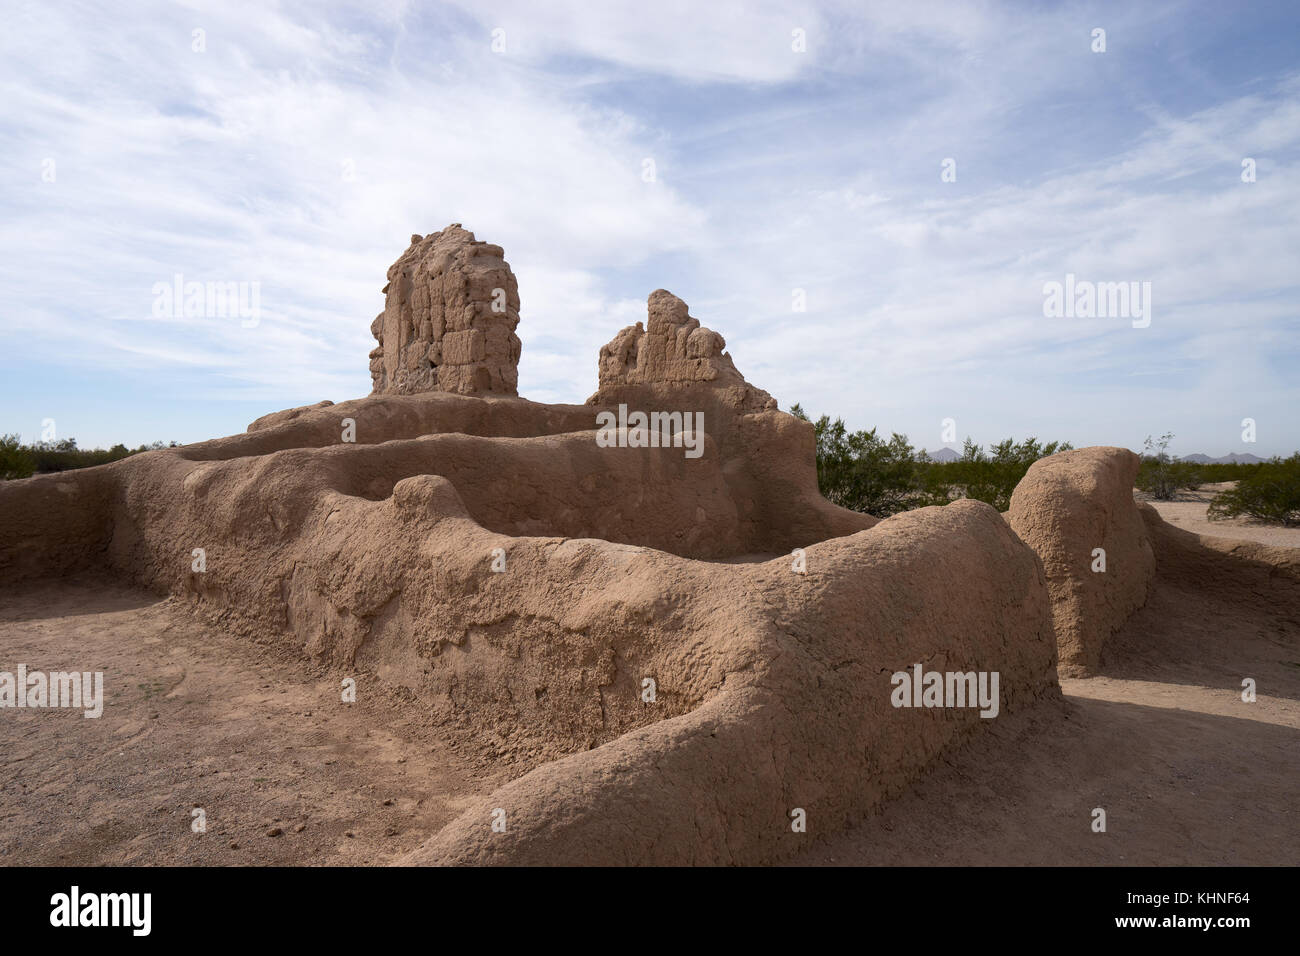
{"x": 802, "y": 718}
{"x": 1066, "y": 507}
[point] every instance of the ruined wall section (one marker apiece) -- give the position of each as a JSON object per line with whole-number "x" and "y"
{"x": 673, "y": 356}
{"x": 449, "y": 319}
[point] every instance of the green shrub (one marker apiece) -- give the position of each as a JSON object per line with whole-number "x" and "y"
{"x": 20, "y": 461}
{"x": 15, "y": 460}
{"x": 1214, "y": 472}
{"x": 863, "y": 472}
{"x": 1158, "y": 473}
{"x": 1268, "y": 492}
{"x": 992, "y": 477}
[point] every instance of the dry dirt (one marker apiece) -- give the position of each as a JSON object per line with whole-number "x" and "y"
{"x": 1188, "y": 775}
{"x": 1187, "y": 511}
{"x": 196, "y": 717}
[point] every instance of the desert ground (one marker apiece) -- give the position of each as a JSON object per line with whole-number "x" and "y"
{"x": 287, "y": 774}
{"x": 1187, "y": 510}
{"x": 199, "y": 718}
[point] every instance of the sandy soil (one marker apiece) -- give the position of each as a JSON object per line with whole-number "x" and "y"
{"x": 1187, "y": 772}
{"x": 195, "y": 717}
{"x": 1186, "y": 775}
{"x": 1187, "y": 511}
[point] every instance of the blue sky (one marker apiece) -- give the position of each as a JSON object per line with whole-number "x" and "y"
{"x": 303, "y": 145}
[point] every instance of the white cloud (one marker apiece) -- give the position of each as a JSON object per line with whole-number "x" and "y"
{"x": 723, "y": 40}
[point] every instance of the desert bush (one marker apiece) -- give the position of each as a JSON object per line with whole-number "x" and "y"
{"x": 1216, "y": 471}
{"x": 1189, "y": 475}
{"x": 1173, "y": 476}
{"x": 1162, "y": 475}
{"x": 63, "y": 455}
{"x": 15, "y": 460}
{"x": 862, "y": 471}
{"x": 991, "y": 477}
{"x": 1268, "y": 492}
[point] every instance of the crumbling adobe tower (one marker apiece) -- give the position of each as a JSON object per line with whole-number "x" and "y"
{"x": 449, "y": 319}
{"x": 674, "y": 358}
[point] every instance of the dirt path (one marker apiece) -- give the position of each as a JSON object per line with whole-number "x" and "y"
{"x": 1181, "y": 782}
{"x": 195, "y": 717}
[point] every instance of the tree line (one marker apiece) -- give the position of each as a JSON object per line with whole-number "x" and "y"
{"x": 18, "y": 460}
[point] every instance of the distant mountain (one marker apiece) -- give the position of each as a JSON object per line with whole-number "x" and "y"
{"x": 1233, "y": 459}
{"x": 947, "y": 454}
{"x": 942, "y": 455}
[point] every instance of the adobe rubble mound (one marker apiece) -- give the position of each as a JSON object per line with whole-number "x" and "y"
{"x": 449, "y": 319}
